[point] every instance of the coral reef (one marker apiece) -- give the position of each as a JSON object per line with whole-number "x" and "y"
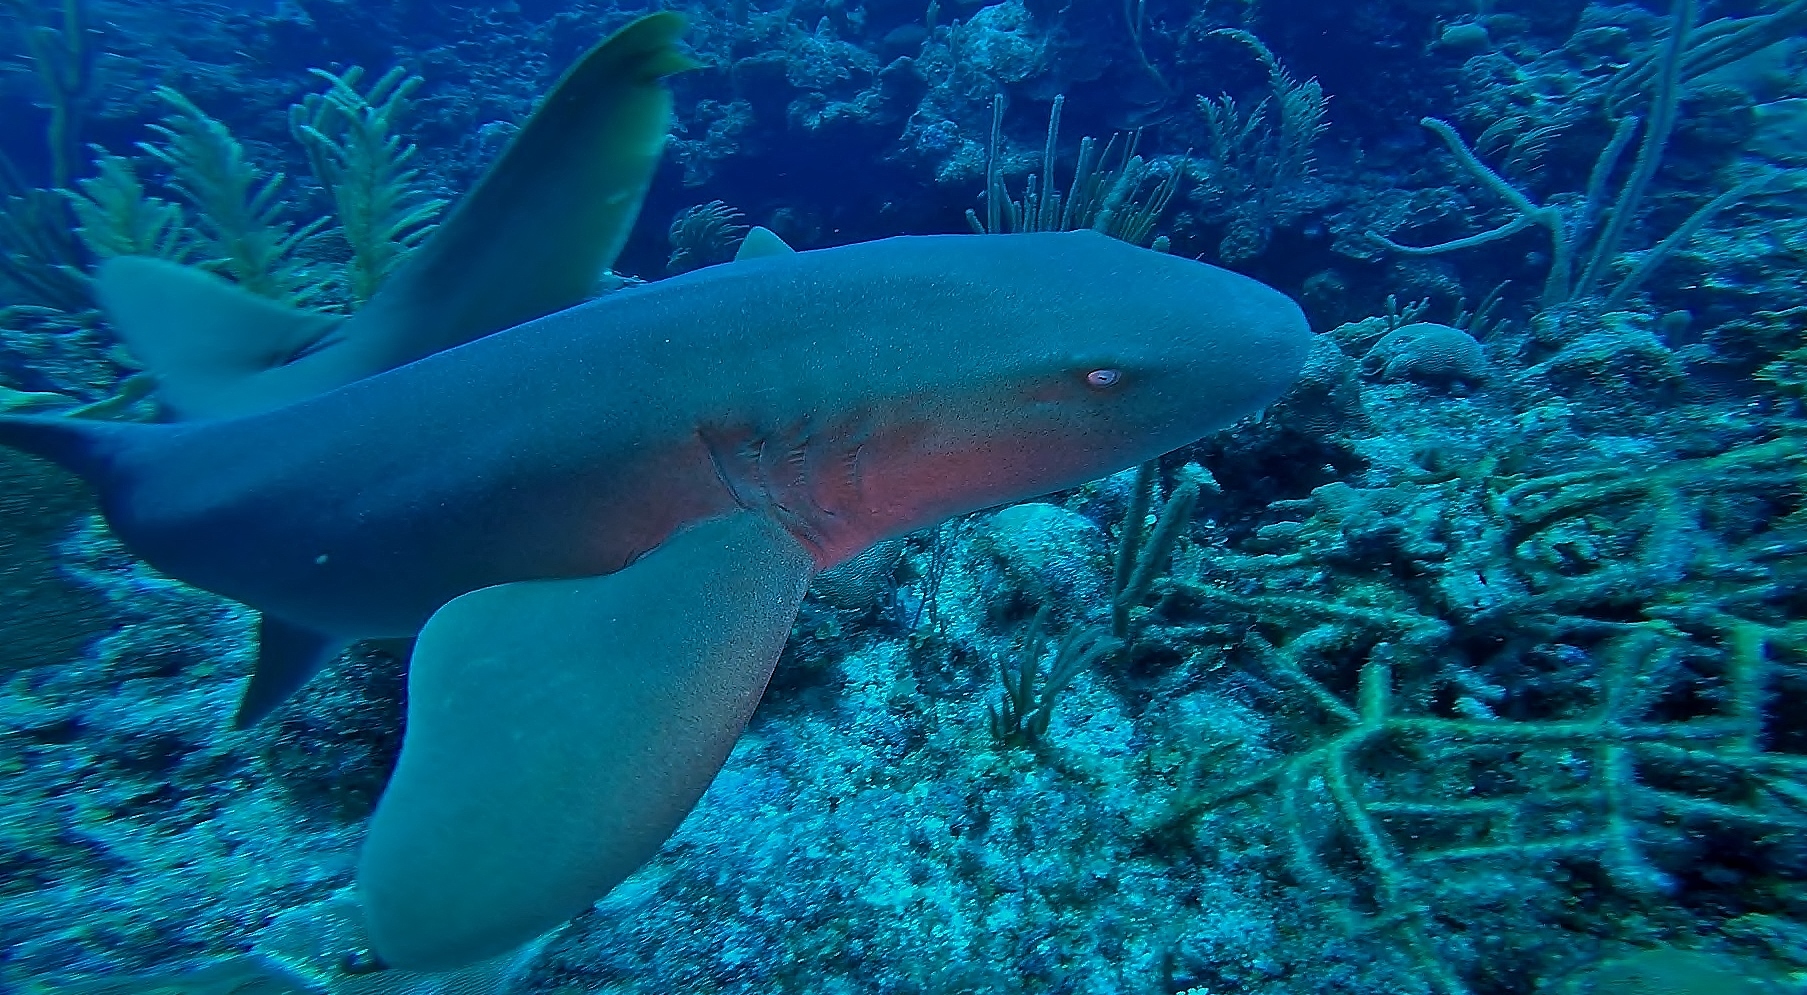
{"x": 1473, "y": 665}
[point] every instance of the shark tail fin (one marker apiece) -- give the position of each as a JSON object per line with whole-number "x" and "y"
{"x": 89, "y": 449}
{"x": 214, "y": 347}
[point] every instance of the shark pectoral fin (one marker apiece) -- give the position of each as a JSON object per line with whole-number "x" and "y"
{"x": 760, "y": 243}
{"x": 287, "y": 655}
{"x": 551, "y": 215}
{"x": 209, "y": 342}
{"x": 558, "y": 732}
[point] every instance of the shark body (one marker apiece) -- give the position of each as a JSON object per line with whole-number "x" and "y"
{"x": 600, "y": 522}
{"x": 848, "y": 394}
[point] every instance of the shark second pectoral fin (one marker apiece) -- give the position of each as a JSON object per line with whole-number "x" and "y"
{"x": 559, "y": 730}
{"x": 287, "y": 655}
{"x": 761, "y": 243}
{"x": 214, "y": 346}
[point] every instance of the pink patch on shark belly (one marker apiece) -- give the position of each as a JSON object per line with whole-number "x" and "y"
{"x": 914, "y": 489}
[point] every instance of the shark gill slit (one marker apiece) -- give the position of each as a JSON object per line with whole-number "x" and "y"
{"x": 807, "y": 489}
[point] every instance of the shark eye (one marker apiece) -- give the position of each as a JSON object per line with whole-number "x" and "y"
{"x": 1103, "y": 378}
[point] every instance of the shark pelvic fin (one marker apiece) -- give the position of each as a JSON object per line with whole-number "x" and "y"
{"x": 559, "y": 730}
{"x": 760, "y": 243}
{"x": 287, "y": 656}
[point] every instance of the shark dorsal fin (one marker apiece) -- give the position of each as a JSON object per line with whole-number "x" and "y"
{"x": 760, "y": 243}
{"x": 530, "y": 239}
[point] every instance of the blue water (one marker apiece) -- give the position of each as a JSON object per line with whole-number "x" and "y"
{"x": 1475, "y": 663}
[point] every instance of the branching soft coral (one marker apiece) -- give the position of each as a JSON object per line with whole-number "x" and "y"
{"x": 38, "y": 255}
{"x": 1492, "y": 676}
{"x": 241, "y": 214}
{"x": 115, "y": 217}
{"x": 63, "y": 57}
{"x": 350, "y": 142}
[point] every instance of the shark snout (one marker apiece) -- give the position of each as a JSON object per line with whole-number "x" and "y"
{"x": 1275, "y": 344}
{"x": 1240, "y": 347}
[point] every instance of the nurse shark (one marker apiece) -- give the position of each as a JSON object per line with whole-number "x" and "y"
{"x": 597, "y": 519}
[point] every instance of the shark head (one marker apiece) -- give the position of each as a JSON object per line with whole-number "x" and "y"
{"x": 1014, "y": 365}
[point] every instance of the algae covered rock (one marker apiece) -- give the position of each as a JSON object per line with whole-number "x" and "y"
{"x": 46, "y": 614}
{"x": 1674, "y": 971}
{"x": 1051, "y": 554}
{"x": 1430, "y": 354}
